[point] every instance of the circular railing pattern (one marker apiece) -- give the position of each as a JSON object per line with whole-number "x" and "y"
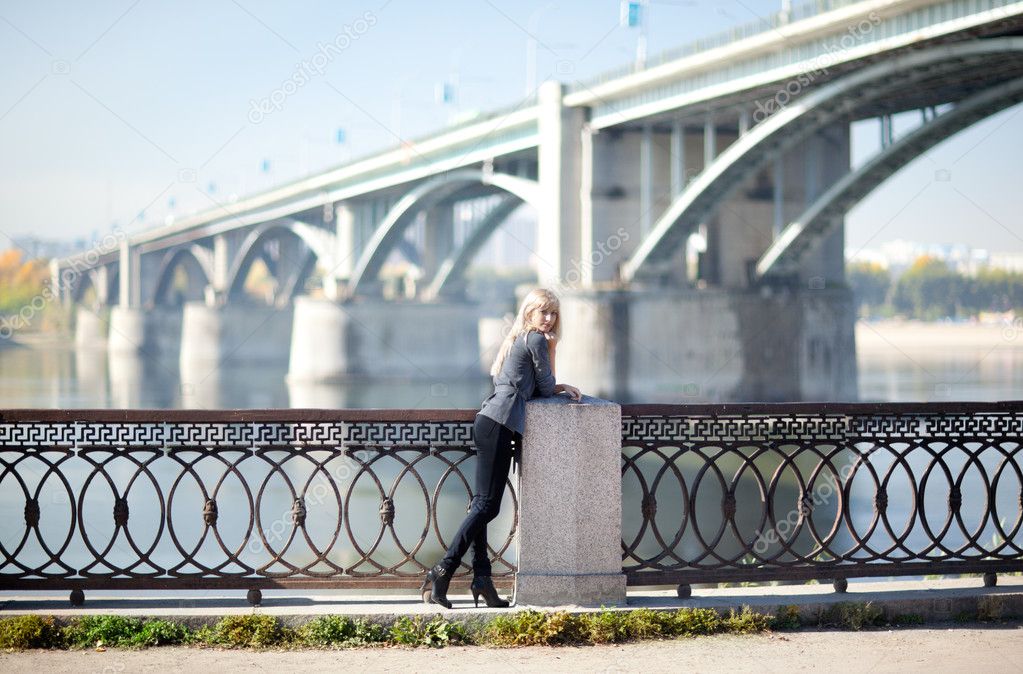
{"x": 143, "y": 499}
{"x": 750, "y": 492}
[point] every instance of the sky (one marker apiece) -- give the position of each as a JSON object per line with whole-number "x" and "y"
{"x": 116, "y": 113}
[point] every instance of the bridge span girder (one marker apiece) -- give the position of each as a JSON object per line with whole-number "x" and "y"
{"x": 837, "y": 100}
{"x": 800, "y": 236}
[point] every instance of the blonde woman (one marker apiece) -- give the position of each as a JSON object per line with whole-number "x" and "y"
{"x": 523, "y": 369}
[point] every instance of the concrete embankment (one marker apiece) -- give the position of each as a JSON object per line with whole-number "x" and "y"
{"x": 927, "y": 600}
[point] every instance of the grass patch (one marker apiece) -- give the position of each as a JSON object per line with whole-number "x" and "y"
{"x": 122, "y": 632}
{"x": 241, "y": 631}
{"x": 521, "y": 628}
{"x": 787, "y": 618}
{"x": 533, "y": 628}
{"x": 334, "y": 631}
{"x": 435, "y": 633}
{"x": 536, "y": 628}
{"x": 30, "y": 631}
{"x": 746, "y": 622}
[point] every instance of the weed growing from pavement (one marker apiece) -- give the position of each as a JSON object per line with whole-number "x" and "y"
{"x": 521, "y": 628}
{"x": 851, "y": 615}
{"x": 334, "y": 631}
{"x": 30, "y": 631}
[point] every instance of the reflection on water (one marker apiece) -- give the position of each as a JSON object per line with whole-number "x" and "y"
{"x": 92, "y": 378}
{"x": 906, "y": 362}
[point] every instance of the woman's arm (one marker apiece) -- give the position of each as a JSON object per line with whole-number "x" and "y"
{"x": 536, "y": 343}
{"x": 572, "y": 391}
{"x": 552, "y": 346}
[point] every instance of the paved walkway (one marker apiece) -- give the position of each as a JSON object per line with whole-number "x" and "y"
{"x": 906, "y": 650}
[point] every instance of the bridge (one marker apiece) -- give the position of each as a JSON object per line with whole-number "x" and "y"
{"x": 689, "y": 213}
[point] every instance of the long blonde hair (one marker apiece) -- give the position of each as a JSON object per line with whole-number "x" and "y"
{"x": 540, "y": 299}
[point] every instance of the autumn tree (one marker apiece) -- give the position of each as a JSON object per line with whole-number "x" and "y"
{"x": 20, "y": 281}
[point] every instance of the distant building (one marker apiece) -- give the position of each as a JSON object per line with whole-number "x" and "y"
{"x": 896, "y": 256}
{"x": 1007, "y": 261}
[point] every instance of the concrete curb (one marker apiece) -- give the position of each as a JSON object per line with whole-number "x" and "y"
{"x": 928, "y": 601}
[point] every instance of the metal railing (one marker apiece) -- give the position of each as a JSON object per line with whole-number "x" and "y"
{"x": 728, "y": 493}
{"x": 736, "y": 33}
{"x": 258, "y": 499}
{"x": 305, "y": 499}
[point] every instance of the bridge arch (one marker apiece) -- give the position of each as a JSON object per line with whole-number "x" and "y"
{"x": 197, "y": 262}
{"x": 318, "y": 247}
{"x": 788, "y": 126}
{"x": 83, "y": 283}
{"x": 389, "y": 233}
{"x": 799, "y": 237}
{"x": 102, "y": 280}
{"x": 453, "y": 268}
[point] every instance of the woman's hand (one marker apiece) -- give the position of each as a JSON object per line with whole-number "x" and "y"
{"x": 574, "y": 393}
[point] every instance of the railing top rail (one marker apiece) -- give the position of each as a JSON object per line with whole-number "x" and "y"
{"x": 842, "y": 408}
{"x": 234, "y": 416}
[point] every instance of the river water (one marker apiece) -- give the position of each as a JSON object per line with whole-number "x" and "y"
{"x": 896, "y": 362}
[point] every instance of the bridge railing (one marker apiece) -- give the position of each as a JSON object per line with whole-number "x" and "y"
{"x": 798, "y": 491}
{"x": 763, "y": 24}
{"x": 234, "y": 499}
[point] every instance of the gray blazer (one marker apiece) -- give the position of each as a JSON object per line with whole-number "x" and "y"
{"x": 525, "y": 373}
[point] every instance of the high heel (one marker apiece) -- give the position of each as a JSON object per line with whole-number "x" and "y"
{"x": 438, "y": 578}
{"x": 484, "y": 585}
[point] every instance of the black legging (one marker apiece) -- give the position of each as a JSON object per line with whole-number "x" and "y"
{"x": 493, "y": 461}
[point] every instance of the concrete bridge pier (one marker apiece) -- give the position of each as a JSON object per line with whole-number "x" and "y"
{"x": 332, "y": 341}
{"x": 91, "y": 328}
{"x": 683, "y": 345}
{"x": 153, "y": 333}
{"x": 234, "y": 334}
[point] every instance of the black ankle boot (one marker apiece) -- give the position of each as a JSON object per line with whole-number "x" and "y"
{"x": 435, "y": 586}
{"x": 484, "y": 585}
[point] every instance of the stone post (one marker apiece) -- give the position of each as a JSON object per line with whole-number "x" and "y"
{"x": 570, "y": 504}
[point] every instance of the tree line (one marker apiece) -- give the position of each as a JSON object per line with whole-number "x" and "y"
{"x": 930, "y": 290}
{"x": 20, "y": 280}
